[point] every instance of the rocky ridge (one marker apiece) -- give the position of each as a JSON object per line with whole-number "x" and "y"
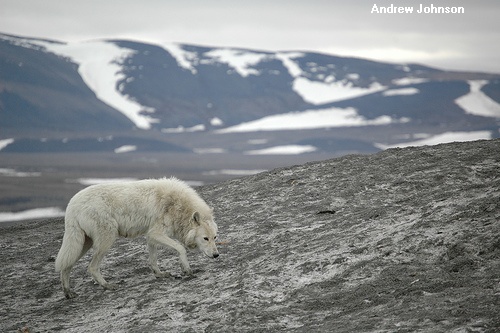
{"x": 406, "y": 240}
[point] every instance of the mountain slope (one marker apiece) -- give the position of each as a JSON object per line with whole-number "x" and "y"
{"x": 110, "y": 87}
{"x": 403, "y": 240}
{"x": 41, "y": 92}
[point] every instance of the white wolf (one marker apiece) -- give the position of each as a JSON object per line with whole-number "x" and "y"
{"x": 167, "y": 211}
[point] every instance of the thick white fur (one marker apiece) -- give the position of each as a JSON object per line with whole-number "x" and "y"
{"x": 167, "y": 211}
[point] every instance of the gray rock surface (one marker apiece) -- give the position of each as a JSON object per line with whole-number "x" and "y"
{"x": 401, "y": 241}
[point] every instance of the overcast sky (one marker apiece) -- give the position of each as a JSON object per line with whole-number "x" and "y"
{"x": 469, "y": 41}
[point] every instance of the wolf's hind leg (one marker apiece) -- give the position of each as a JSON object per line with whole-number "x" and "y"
{"x": 86, "y": 246}
{"x": 153, "y": 261}
{"x": 65, "y": 283}
{"x": 101, "y": 247}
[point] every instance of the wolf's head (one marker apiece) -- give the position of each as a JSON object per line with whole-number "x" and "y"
{"x": 203, "y": 234}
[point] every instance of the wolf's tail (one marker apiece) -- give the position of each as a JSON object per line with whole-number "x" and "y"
{"x": 71, "y": 248}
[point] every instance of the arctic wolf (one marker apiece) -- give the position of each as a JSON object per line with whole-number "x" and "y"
{"x": 167, "y": 211}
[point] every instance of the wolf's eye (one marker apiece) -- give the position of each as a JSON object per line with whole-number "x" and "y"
{"x": 215, "y": 237}
{"x": 205, "y": 238}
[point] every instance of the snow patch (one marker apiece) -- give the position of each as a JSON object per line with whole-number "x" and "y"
{"x": 100, "y": 66}
{"x": 4, "y": 143}
{"x": 209, "y": 150}
{"x": 241, "y": 61}
{"x": 125, "y": 149}
{"x": 287, "y": 59}
{"x": 404, "y": 81}
{"x": 182, "y": 129}
{"x": 216, "y": 122}
{"x": 173, "y": 130}
{"x": 31, "y": 214}
{"x": 406, "y": 69}
{"x": 23, "y": 42}
{"x": 316, "y": 92}
{"x": 326, "y": 91}
{"x": 402, "y": 91}
{"x": 283, "y": 150}
{"x": 184, "y": 58}
{"x": 446, "y": 137}
{"x": 13, "y": 173}
{"x": 196, "y": 128}
{"x": 353, "y": 76}
{"x": 310, "y": 119}
{"x": 478, "y": 103}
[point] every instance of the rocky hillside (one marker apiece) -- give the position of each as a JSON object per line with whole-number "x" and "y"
{"x": 401, "y": 241}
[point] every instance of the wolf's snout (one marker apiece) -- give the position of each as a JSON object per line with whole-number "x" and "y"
{"x": 216, "y": 255}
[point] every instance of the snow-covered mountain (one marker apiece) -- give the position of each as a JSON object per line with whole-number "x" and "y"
{"x": 173, "y": 96}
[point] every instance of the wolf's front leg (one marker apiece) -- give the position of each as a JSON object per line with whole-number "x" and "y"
{"x": 162, "y": 239}
{"x": 186, "y": 269}
{"x": 153, "y": 261}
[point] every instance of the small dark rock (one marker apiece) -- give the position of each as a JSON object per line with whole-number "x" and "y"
{"x": 321, "y": 212}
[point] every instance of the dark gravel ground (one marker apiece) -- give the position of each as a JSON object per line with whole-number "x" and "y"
{"x": 406, "y": 240}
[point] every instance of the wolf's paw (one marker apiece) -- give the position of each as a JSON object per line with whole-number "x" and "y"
{"x": 188, "y": 277}
{"x": 110, "y": 286}
{"x": 70, "y": 294}
{"x": 160, "y": 275}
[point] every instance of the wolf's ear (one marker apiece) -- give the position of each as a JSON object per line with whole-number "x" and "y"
{"x": 197, "y": 218}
